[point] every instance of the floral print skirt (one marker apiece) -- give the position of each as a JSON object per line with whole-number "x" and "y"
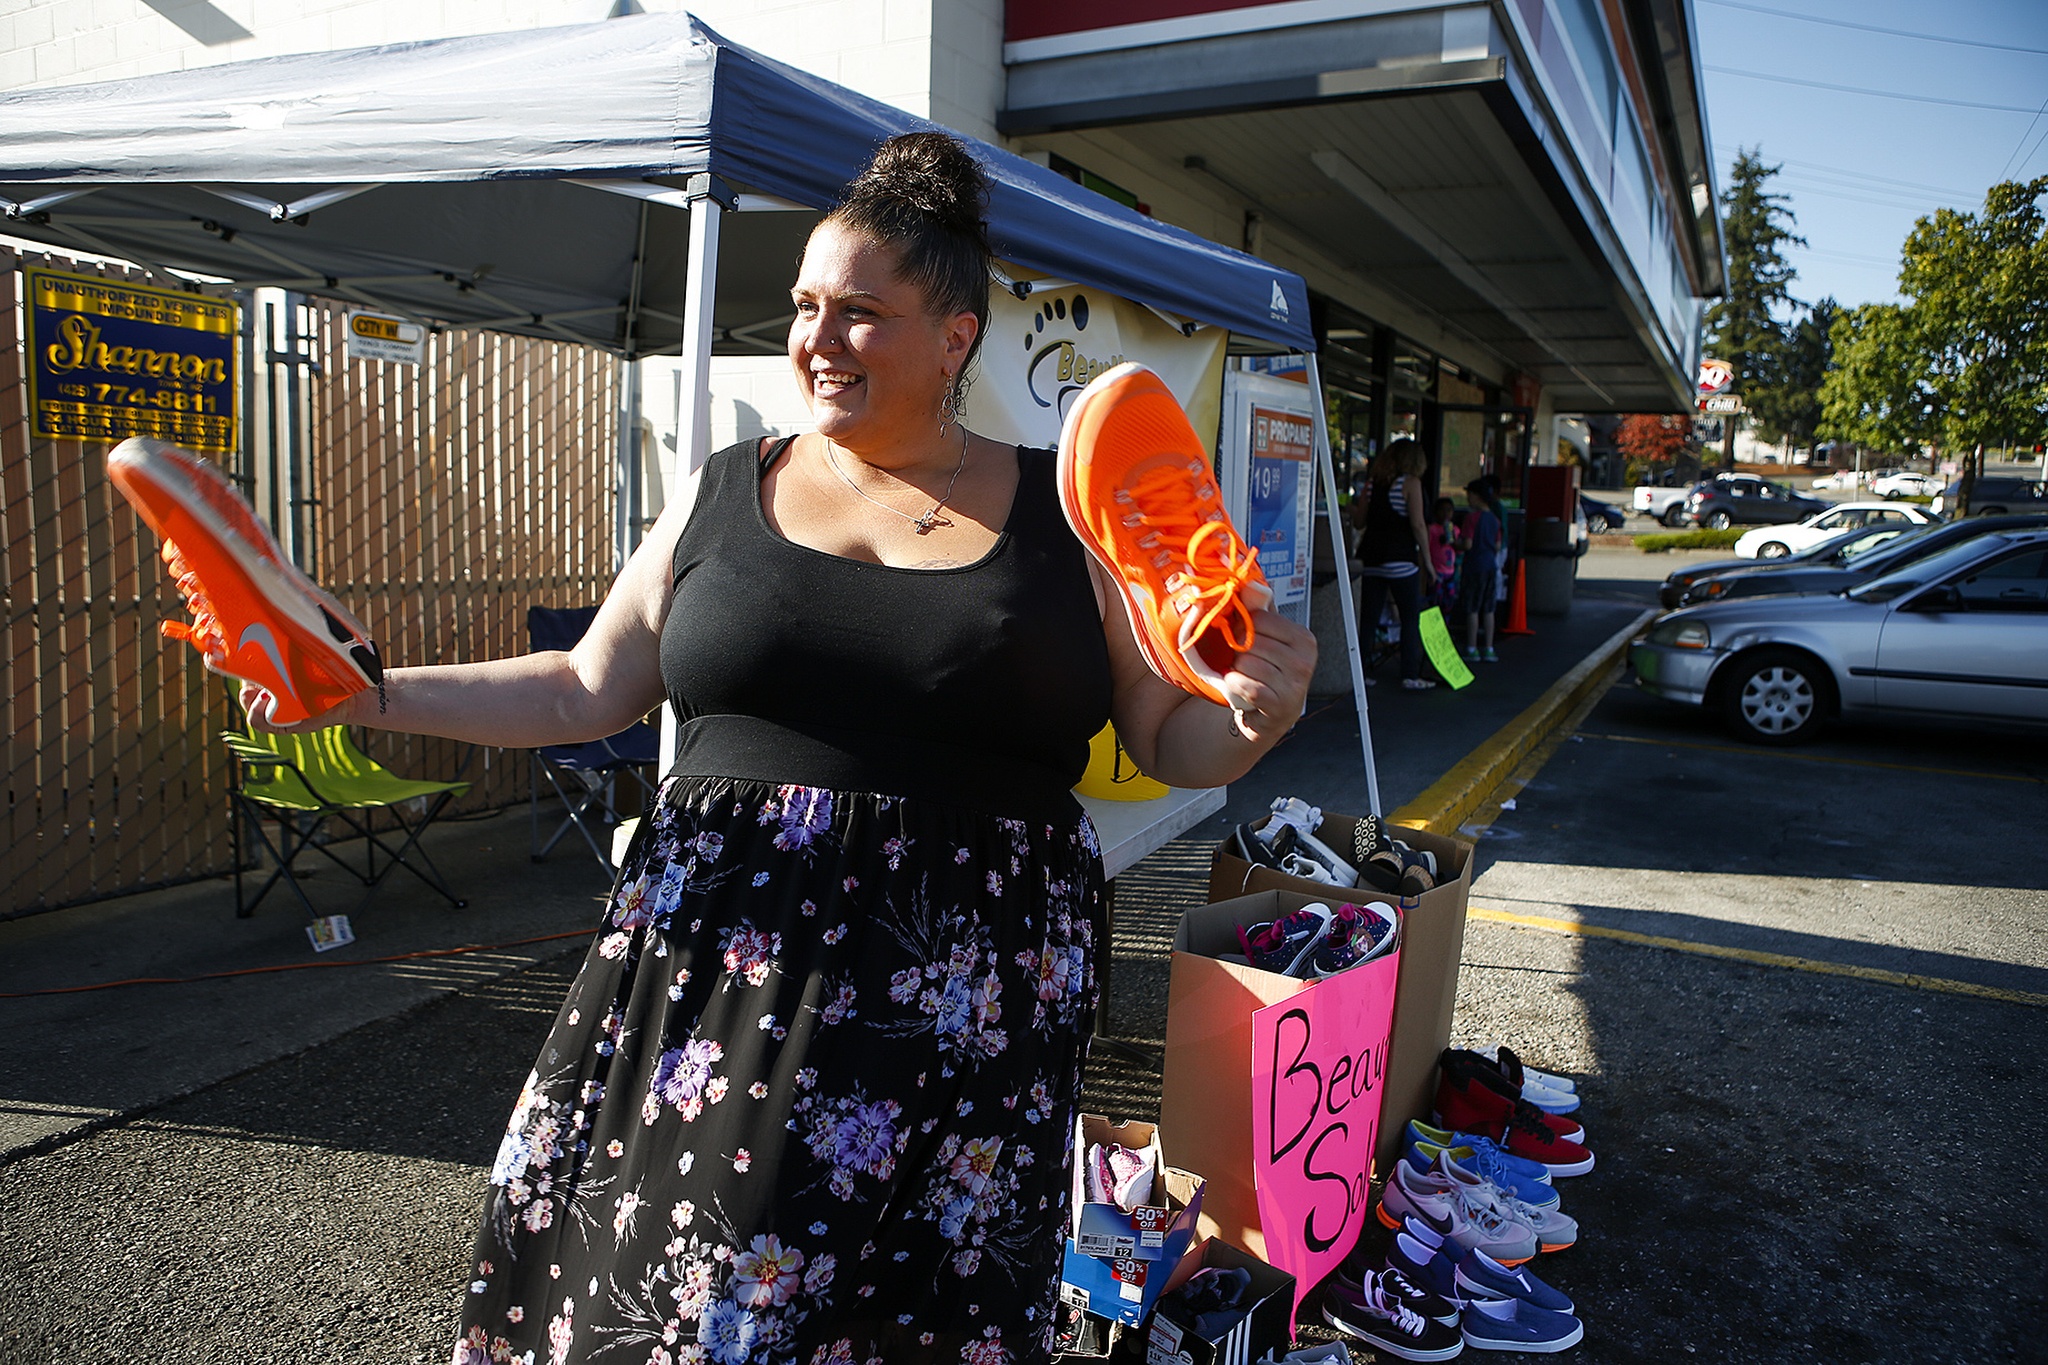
{"x": 811, "y": 1098}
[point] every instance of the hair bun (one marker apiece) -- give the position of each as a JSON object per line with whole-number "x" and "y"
{"x": 932, "y": 173}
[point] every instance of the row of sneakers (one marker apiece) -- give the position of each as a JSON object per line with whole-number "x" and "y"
{"x": 1431, "y": 1298}
{"x": 1289, "y": 841}
{"x": 1467, "y": 1216}
{"x": 1489, "y": 1094}
{"x": 1316, "y": 941}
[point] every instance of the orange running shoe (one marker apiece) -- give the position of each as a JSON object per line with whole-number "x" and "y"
{"x": 254, "y": 615}
{"x": 1136, "y": 487}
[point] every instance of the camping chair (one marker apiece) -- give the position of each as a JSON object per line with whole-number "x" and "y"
{"x": 585, "y": 776}
{"x": 306, "y": 783}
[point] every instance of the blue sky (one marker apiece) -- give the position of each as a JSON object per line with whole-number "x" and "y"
{"x": 1859, "y": 169}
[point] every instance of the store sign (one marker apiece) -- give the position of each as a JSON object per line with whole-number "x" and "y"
{"x": 1722, "y": 404}
{"x": 1715, "y": 377}
{"x": 378, "y": 336}
{"x": 1280, "y": 510}
{"x": 1319, "y": 1068}
{"x": 1043, "y": 349}
{"x": 109, "y": 360}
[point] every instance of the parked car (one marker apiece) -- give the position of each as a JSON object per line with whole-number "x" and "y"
{"x": 1962, "y": 634}
{"x": 1601, "y": 516}
{"x": 1838, "y": 481}
{"x": 1831, "y": 553}
{"x": 1660, "y": 504}
{"x": 1906, "y": 484}
{"x": 1746, "y": 500}
{"x": 1775, "y": 542}
{"x": 1994, "y": 497}
{"x": 1766, "y": 577}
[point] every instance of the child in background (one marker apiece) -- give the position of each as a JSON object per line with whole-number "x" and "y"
{"x": 1443, "y": 551}
{"x": 1478, "y": 583}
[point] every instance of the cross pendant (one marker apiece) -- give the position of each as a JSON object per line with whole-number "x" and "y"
{"x": 930, "y": 522}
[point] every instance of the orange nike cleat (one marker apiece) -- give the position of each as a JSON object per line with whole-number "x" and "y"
{"x": 1136, "y": 488}
{"x": 254, "y": 615}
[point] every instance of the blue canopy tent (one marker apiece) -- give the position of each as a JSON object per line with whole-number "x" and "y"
{"x": 536, "y": 182}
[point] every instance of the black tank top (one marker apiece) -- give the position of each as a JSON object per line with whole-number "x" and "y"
{"x": 979, "y": 686}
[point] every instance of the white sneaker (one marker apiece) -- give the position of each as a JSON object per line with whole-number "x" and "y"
{"x": 1292, "y": 810}
{"x": 1457, "y": 1212}
{"x": 1530, "y": 1073}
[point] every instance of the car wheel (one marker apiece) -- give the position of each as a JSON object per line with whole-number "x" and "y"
{"x": 1776, "y": 696}
{"x": 1674, "y": 515}
{"x": 1719, "y": 521}
{"x": 1772, "y": 549}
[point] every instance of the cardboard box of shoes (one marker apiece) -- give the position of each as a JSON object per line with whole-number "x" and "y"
{"x": 1433, "y": 939}
{"x": 1235, "y": 1308}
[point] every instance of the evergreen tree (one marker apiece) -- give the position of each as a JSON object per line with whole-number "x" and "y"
{"x": 1741, "y": 328}
{"x": 1790, "y": 409}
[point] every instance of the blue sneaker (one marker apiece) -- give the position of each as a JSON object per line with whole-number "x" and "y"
{"x": 1479, "y": 1276}
{"x": 1485, "y": 1161}
{"x": 1419, "y": 1131}
{"x": 1517, "y": 1325}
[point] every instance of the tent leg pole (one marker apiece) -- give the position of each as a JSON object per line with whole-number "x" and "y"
{"x": 693, "y": 421}
{"x": 1328, "y": 462}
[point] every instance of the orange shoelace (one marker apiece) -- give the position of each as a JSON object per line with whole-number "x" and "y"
{"x": 204, "y": 634}
{"x": 1215, "y": 559}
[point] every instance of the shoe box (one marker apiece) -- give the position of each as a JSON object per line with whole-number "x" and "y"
{"x": 1145, "y": 1233}
{"x": 1175, "y": 1339}
{"x": 1271, "y": 1087}
{"x": 1432, "y": 941}
{"x": 1117, "y": 1264}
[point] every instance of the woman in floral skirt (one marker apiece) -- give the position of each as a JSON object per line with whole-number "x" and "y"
{"x": 811, "y": 1098}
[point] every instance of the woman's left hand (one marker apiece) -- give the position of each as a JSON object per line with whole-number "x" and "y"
{"x": 1268, "y": 686}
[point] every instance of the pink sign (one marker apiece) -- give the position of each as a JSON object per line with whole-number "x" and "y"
{"x": 1319, "y": 1067}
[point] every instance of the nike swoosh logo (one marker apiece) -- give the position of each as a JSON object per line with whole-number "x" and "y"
{"x": 265, "y": 641}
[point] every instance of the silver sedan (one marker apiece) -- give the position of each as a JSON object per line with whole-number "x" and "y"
{"x": 1962, "y": 633}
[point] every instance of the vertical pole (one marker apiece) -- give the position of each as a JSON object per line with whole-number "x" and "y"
{"x": 1328, "y": 463}
{"x": 693, "y": 416}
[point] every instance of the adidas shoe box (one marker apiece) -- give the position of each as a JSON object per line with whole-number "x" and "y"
{"x": 1432, "y": 941}
{"x": 1175, "y": 1336}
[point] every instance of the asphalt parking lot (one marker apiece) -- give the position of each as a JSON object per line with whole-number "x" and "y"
{"x": 1799, "y": 1158}
{"x": 1802, "y": 992}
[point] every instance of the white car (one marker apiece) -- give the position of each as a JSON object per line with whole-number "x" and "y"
{"x": 1838, "y": 481}
{"x": 1906, "y": 484}
{"x": 1775, "y": 542}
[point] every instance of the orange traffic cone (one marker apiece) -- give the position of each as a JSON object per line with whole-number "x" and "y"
{"x": 1518, "y": 605}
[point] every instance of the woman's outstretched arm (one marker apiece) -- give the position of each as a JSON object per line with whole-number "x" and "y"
{"x": 609, "y": 680}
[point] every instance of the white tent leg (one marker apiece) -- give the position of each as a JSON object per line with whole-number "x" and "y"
{"x": 693, "y": 420}
{"x": 1329, "y": 467}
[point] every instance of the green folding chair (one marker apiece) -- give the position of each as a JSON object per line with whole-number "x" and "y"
{"x": 306, "y": 784}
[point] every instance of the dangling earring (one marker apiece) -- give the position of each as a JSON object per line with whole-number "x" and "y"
{"x": 949, "y": 408}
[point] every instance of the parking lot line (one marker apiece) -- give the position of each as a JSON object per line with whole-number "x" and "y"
{"x": 1812, "y": 758}
{"x": 1756, "y": 958}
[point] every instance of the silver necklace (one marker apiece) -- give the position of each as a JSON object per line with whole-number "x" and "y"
{"x": 929, "y": 520}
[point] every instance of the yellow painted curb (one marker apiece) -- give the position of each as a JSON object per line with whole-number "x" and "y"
{"x": 1454, "y": 796}
{"x": 1756, "y": 958}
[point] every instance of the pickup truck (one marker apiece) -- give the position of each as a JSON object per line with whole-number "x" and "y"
{"x": 1664, "y": 504}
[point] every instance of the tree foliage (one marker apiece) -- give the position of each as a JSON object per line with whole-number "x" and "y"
{"x": 1963, "y": 363}
{"x": 1875, "y": 395}
{"x": 1742, "y": 326}
{"x": 1789, "y": 408}
{"x": 1653, "y": 437}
